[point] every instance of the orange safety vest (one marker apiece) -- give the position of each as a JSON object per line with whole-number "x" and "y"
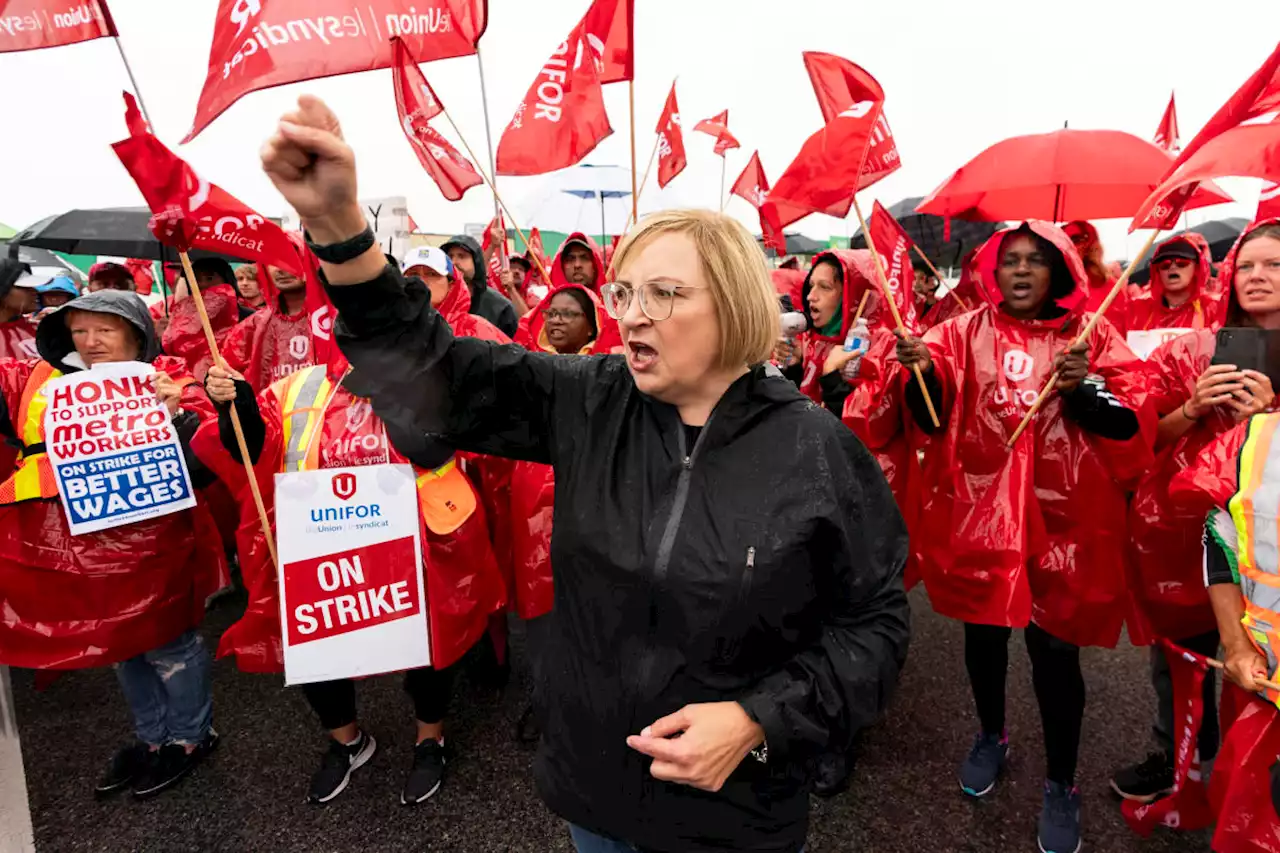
{"x": 445, "y": 496}
{"x": 32, "y": 477}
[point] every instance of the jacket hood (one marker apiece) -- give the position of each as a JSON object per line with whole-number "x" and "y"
{"x": 477, "y": 258}
{"x": 557, "y": 264}
{"x": 858, "y": 270}
{"x": 530, "y": 334}
{"x": 53, "y": 339}
{"x": 1227, "y": 272}
{"x": 457, "y": 303}
{"x": 1204, "y": 268}
{"x": 267, "y": 284}
{"x": 988, "y": 260}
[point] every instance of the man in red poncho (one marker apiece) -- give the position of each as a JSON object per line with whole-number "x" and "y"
{"x": 1196, "y": 403}
{"x": 184, "y": 335}
{"x": 579, "y": 261}
{"x": 1088, "y": 245}
{"x": 18, "y": 299}
{"x": 464, "y": 583}
{"x": 129, "y": 595}
{"x": 1030, "y": 536}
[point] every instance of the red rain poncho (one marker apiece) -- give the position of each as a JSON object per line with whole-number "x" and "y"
{"x": 962, "y": 299}
{"x": 1147, "y": 311}
{"x": 789, "y": 282}
{"x": 68, "y": 602}
{"x": 184, "y": 337}
{"x": 876, "y": 415}
{"x": 557, "y": 263}
{"x": 18, "y": 338}
{"x": 1100, "y": 279}
{"x": 859, "y": 273}
{"x": 533, "y": 486}
{"x": 1036, "y": 532}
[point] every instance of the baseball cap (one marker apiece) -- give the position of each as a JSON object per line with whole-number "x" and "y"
{"x": 1177, "y": 249}
{"x": 62, "y": 284}
{"x": 429, "y": 257}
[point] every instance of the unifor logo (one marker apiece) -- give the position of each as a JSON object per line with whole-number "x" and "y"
{"x": 242, "y": 11}
{"x": 1017, "y": 365}
{"x": 357, "y": 414}
{"x": 321, "y": 326}
{"x": 299, "y": 345}
{"x": 344, "y": 485}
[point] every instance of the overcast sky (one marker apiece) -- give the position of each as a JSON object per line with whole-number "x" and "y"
{"x": 957, "y": 77}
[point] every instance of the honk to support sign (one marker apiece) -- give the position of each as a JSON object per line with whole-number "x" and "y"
{"x": 352, "y": 597}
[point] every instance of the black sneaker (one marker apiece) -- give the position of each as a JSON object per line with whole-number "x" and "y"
{"x": 337, "y": 765}
{"x": 1146, "y": 782}
{"x": 123, "y": 768}
{"x": 167, "y": 766}
{"x": 427, "y": 773}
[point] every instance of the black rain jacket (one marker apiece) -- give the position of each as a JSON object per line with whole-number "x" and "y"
{"x": 485, "y": 301}
{"x": 762, "y": 564}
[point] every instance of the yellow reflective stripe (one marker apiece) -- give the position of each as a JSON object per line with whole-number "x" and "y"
{"x": 1253, "y": 459}
{"x": 300, "y": 416}
{"x": 427, "y": 476}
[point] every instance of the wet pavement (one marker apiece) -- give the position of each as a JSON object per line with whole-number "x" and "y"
{"x": 250, "y": 795}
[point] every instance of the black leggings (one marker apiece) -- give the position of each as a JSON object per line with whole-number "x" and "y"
{"x": 1059, "y": 686}
{"x": 335, "y": 701}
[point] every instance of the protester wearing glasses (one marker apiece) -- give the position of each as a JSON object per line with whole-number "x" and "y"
{"x": 1196, "y": 403}
{"x": 728, "y": 560}
{"x": 1178, "y": 297}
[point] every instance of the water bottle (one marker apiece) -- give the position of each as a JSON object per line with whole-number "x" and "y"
{"x": 857, "y": 341}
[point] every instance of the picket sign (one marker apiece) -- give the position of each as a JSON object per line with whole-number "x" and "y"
{"x": 352, "y": 596}
{"x": 1147, "y": 341}
{"x": 114, "y": 451}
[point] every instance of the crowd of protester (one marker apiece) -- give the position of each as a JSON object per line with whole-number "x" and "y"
{"x": 721, "y": 607}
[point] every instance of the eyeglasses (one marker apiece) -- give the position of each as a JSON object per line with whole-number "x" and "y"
{"x": 657, "y": 299}
{"x": 561, "y": 314}
{"x": 1166, "y": 263}
{"x": 1079, "y": 238}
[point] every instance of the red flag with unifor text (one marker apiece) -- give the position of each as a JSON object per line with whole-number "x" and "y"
{"x": 753, "y": 186}
{"x": 189, "y": 212}
{"x": 1187, "y": 807}
{"x": 718, "y": 126}
{"x": 258, "y": 44}
{"x": 1167, "y": 133}
{"x": 894, "y": 247}
{"x": 671, "y": 156}
{"x": 35, "y": 24}
{"x": 1227, "y": 136}
{"x": 854, "y": 150}
{"x": 417, "y": 105}
{"x": 562, "y": 117}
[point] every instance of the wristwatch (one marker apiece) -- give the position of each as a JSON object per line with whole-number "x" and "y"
{"x": 347, "y": 250}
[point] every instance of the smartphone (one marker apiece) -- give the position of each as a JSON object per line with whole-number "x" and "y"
{"x": 1250, "y": 349}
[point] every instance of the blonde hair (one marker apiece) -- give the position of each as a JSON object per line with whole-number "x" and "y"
{"x": 736, "y": 272}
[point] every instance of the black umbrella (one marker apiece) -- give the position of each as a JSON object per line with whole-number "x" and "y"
{"x": 798, "y": 244}
{"x": 926, "y": 231}
{"x": 41, "y": 261}
{"x": 116, "y": 231}
{"x": 1221, "y": 234}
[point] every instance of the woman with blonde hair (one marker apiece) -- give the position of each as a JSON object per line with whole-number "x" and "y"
{"x": 728, "y": 590}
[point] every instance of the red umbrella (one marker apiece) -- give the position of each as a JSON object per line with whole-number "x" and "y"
{"x": 1059, "y": 177}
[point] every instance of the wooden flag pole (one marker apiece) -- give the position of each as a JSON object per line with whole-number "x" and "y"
{"x": 635, "y": 192}
{"x": 1084, "y": 336}
{"x": 893, "y": 307}
{"x": 938, "y": 276}
{"x": 488, "y": 132}
{"x": 1217, "y": 664}
{"x": 861, "y": 305}
{"x": 497, "y": 199}
{"x": 724, "y": 164}
{"x": 645, "y": 182}
{"x": 235, "y": 417}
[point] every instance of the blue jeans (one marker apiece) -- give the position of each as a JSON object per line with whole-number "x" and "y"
{"x": 169, "y": 692}
{"x": 588, "y": 842}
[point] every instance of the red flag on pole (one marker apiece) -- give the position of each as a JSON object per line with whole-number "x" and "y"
{"x": 753, "y": 186}
{"x": 1268, "y": 202}
{"x": 1167, "y": 133}
{"x": 894, "y": 247}
{"x": 417, "y": 105}
{"x": 258, "y": 44}
{"x": 671, "y": 156}
{"x": 1259, "y": 95}
{"x": 498, "y": 258}
{"x": 1187, "y": 808}
{"x": 562, "y": 118}
{"x": 853, "y": 151}
{"x": 718, "y": 126}
{"x": 33, "y": 24}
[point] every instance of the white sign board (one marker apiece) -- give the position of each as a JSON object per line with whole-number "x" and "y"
{"x": 352, "y": 597}
{"x": 113, "y": 447}
{"x": 1146, "y": 342}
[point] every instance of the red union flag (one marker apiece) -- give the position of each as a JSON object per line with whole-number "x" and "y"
{"x": 671, "y": 156}
{"x": 894, "y": 248}
{"x": 33, "y": 24}
{"x": 417, "y": 105}
{"x": 562, "y": 118}
{"x": 497, "y": 254}
{"x": 1259, "y": 96}
{"x": 853, "y": 151}
{"x": 609, "y": 25}
{"x": 753, "y": 186}
{"x": 258, "y": 44}
{"x": 1167, "y": 133}
{"x": 191, "y": 213}
{"x": 718, "y": 126}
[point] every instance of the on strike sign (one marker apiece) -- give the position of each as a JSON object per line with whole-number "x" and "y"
{"x": 352, "y": 598}
{"x": 114, "y": 451}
